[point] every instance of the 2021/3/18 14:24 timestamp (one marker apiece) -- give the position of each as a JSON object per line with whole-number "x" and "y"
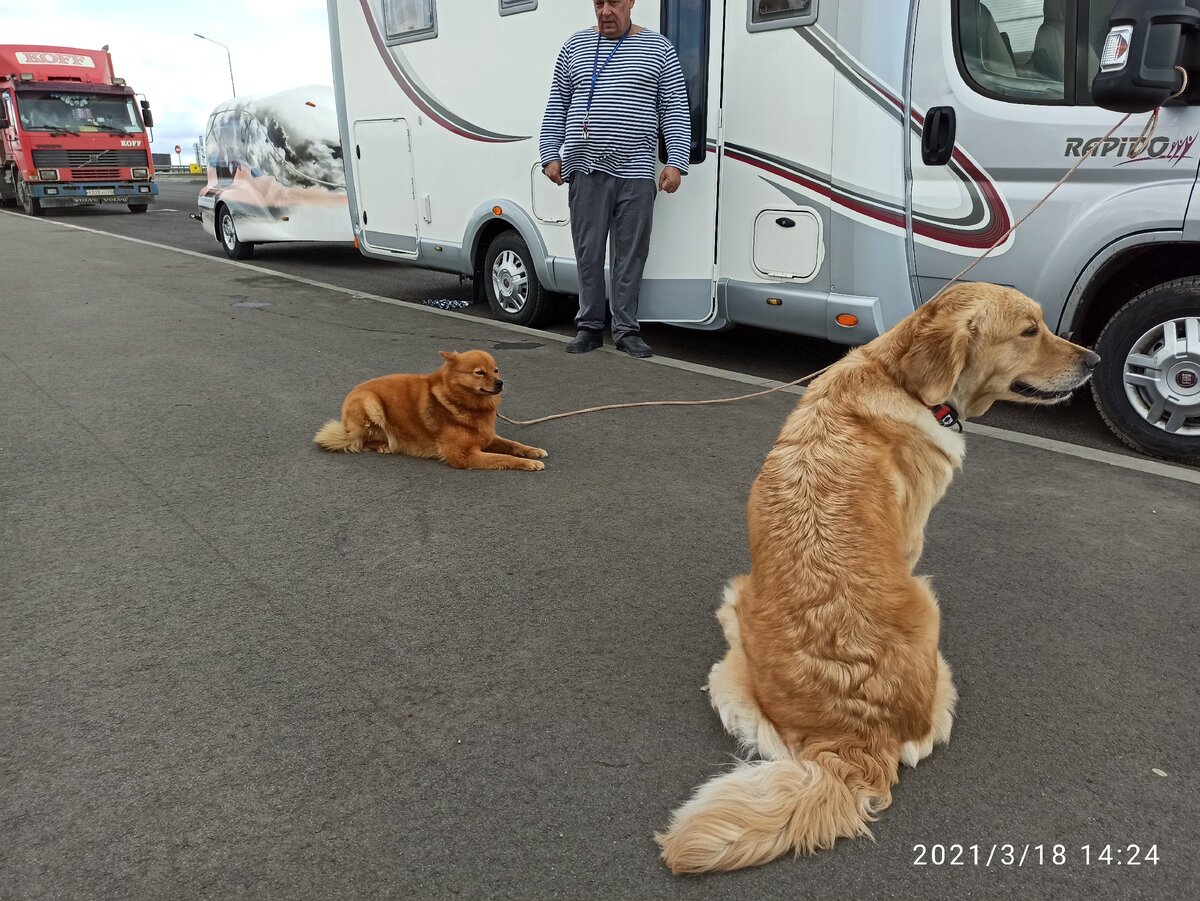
{"x": 1033, "y": 855}
{"x": 1120, "y": 855}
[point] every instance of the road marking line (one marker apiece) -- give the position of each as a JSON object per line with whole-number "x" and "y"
{"x": 1136, "y": 464}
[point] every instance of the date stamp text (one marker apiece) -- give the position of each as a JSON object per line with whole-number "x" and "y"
{"x": 1013, "y": 854}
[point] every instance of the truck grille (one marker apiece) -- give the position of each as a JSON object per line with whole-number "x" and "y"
{"x": 88, "y": 160}
{"x": 95, "y": 173}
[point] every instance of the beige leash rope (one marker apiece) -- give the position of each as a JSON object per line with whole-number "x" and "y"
{"x": 1140, "y": 142}
{"x": 662, "y": 403}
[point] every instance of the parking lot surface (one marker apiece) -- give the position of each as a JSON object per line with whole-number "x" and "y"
{"x": 238, "y": 666}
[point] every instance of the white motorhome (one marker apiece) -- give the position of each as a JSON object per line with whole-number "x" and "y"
{"x": 849, "y": 157}
{"x": 275, "y": 171}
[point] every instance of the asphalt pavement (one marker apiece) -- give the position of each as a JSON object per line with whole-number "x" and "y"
{"x": 761, "y": 352}
{"x": 237, "y": 666}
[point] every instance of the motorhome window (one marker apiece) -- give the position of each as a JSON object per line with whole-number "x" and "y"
{"x": 685, "y": 24}
{"x": 509, "y": 7}
{"x": 1017, "y": 49}
{"x": 409, "y": 20}
{"x": 767, "y": 15}
{"x": 77, "y": 112}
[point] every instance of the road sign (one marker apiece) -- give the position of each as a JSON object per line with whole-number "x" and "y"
{"x": 178, "y": 149}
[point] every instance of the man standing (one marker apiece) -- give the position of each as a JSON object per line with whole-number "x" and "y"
{"x": 616, "y": 87}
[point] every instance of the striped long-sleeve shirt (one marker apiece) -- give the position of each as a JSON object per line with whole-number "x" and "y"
{"x": 639, "y": 93}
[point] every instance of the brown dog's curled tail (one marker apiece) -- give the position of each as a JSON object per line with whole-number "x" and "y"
{"x": 333, "y": 436}
{"x": 758, "y": 811}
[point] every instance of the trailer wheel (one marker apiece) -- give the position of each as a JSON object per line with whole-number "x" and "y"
{"x": 138, "y": 207}
{"x": 1148, "y": 386}
{"x": 30, "y": 204}
{"x": 513, "y": 289}
{"x": 227, "y": 235}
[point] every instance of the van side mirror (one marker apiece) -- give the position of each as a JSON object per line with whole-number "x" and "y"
{"x": 1143, "y": 47}
{"x": 147, "y": 116}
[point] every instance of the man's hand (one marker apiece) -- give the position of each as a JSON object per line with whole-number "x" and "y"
{"x": 554, "y": 172}
{"x": 669, "y": 180}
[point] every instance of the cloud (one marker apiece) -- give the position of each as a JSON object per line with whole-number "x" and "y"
{"x": 273, "y": 46}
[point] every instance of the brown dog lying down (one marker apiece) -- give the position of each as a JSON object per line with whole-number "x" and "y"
{"x": 449, "y": 415}
{"x": 833, "y": 674}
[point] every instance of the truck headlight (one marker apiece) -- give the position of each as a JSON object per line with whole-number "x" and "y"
{"x": 48, "y": 174}
{"x": 141, "y": 173}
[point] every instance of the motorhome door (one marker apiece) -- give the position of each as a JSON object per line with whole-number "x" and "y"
{"x": 1001, "y": 110}
{"x": 677, "y": 285}
{"x": 384, "y": 190}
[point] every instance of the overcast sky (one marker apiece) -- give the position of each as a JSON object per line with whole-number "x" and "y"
{"x": 275, "y": 44}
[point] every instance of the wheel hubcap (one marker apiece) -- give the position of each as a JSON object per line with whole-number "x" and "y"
{"x": 1162, "y": 376}
{"x": 227, "y": 232}
{"x": 510, "y": 281}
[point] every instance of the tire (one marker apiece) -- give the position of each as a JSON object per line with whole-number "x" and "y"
{"x": 138, "y": 207}
{"x": 511, "y": 285}
{"x": 1149, "y": 394}
{"x": 227, "y": 236}
{"x": 8, "y": 195}
{"x": 30, "y": 204}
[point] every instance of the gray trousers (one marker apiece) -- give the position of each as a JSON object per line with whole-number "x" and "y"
{"x": 599, "y": 203}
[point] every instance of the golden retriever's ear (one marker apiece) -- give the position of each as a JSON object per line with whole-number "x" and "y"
{"x": 936, "y": 358}
{"x": 448, "y": 356}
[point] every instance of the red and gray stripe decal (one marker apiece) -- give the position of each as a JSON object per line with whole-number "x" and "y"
{"x": 988, "y": 218}
{"x": 818, "y": 183}
{"x": 425, "y": 101}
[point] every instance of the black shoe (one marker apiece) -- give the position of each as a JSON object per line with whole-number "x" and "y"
{"x": 586, "y": 340}
{"x": 635, "y": 347}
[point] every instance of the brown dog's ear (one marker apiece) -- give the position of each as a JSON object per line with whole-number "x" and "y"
{"x": 448, "y": 356}
{"x": 936, "y": 357}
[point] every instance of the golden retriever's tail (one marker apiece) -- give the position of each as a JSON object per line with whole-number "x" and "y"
{"x": 333, "y": 436}
{"x": 762, "y": 809}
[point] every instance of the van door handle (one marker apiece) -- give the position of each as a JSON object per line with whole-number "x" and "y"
{"x": 937, "y": 137}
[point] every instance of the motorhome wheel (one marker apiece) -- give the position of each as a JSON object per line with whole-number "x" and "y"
{"x": 1148, "y": 383}
{"x": 227, "y": 235}
{"x": 513, "y": 290}
{"x": 30, "y": 204}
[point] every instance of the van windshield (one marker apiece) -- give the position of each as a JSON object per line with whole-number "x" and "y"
{"x": 77, "y": 112}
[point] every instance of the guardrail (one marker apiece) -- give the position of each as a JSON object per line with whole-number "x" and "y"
{"x": 191, "y": 169}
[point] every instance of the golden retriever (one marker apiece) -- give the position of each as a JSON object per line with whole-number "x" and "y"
{"x": 448, "y": 414}
{"x": 833, "y": 674}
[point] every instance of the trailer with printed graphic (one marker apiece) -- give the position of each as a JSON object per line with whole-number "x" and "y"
{"x": 848, "y": 159}
{"x": 71, "y": 134}
{"x": 274, "y": 171}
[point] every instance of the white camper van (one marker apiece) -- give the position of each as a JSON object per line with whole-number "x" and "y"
{"x": 275, "y": 171}
{"x": 848, "y": 157}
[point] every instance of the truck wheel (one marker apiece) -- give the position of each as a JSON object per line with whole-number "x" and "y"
{"x": 138, "y": 207}
{"x": 1147, "y": 386}
{"x": 227, "y": 235}
{"x": 511, "y": 284}
{"x": 8, "y": 195}
{"x": 30, "y": 204}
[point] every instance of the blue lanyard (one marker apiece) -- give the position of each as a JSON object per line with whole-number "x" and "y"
{"x": 597, "y": 71}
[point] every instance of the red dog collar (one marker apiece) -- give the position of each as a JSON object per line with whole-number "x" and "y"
{"x": 946, "y": 416}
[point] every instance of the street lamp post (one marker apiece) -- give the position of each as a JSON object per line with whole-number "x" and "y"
{"x": 227, "y": 54}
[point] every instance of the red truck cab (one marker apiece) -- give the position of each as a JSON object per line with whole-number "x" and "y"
{"x": 70, "y": 133}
